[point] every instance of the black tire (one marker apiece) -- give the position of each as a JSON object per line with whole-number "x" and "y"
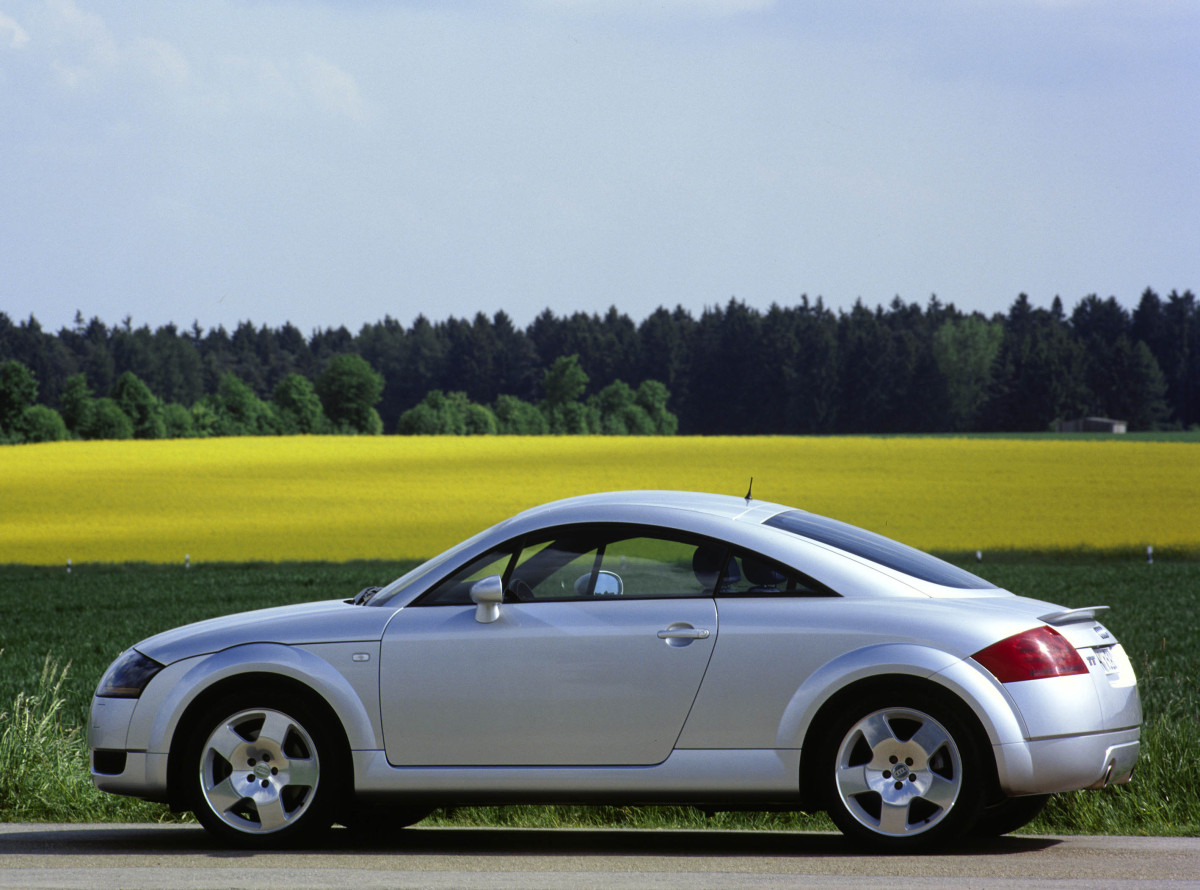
{"x": 1009, "y": 815}
{"x": 262, "y": 770}
{"x": 381, "y": 821}
{"x": 902, "y": 771}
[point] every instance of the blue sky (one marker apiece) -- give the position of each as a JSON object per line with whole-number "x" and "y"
{"x": 330, "y": 163}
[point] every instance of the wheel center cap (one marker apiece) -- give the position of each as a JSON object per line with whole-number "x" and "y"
{"x": 900, "y": 771}
{"x": 262, "y": 770}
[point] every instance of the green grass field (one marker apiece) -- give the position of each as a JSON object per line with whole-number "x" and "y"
{"x": 85, "y": 618}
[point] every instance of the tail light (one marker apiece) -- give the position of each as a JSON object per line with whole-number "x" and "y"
{"x": 1032, "y": 655}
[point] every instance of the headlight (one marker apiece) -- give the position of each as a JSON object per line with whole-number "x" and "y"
{"x": 128, "y": 675}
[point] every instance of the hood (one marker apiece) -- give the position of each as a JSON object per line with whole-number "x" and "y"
{"x": 331, "y": 621}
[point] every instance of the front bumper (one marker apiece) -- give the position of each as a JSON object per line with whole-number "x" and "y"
{"x": 114, "y": 767}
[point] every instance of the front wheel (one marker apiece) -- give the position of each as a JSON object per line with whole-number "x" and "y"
{"x": 262, "y": 771}
{"x": 902, "y": 773}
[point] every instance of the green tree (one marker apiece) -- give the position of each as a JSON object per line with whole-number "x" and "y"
{"x": 18, "y": 391}
{"x": 422, "y": 419}
{"x": 614, "y": 412}
{"x": 652, "y": 397}
{"x": 204, "y": 419}
{"x": 563, "y": 383}
{"x": 515, "y": 417}
{"x": 106, "y": 420}
{"x": 480, "y": 421}
{"x": 76, "y": 403}
{"x": 177, "y": 421}
{"x": 42, "y": 424}
{"x": 447, "y": 414}
{"x": 965, "y": 352}
{"x": 141, "y": 406}
{"x": 1039, "y": 371}
{"x": 298, "y": 406}
{"x": 237, "y": 410}
{"x": 349, "y": 389}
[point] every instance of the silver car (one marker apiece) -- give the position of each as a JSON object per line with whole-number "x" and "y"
{"x": 632, "y": 648}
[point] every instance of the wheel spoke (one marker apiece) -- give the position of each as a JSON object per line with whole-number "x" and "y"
{"x": 225, "y": 742}
{"x": 270, "y": 813}
{"x": 941, "y": 791}
{"x": 876, "y": 730}
{"x": 929, "y": 738}
{"x": 274, "y": 730}
{"x": 223, "y": 796}
{"x": 893, "y": 818}
{"x": 303, "y": 773}
{"x": 852, "y": 780}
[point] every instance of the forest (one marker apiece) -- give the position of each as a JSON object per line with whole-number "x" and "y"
{"x": 737, "y": 370}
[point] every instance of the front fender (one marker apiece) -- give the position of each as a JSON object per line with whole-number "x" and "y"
{"x": 356, "y": 704}
{"x": 980, "y": 692}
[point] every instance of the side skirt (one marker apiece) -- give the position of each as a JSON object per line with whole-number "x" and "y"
{"x": 761, "y": 777}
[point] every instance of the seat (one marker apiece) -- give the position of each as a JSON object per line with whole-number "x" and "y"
{"x": 706, "y": 564}
{"x": 763, "y": 577}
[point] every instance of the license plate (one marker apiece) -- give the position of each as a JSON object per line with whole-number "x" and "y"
{"x": 1106, "y": 660}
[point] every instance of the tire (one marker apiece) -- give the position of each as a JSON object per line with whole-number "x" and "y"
{"x": 902, "y": 771}
{"x": 263, "y": 771}
{"x": 378, "y": 822}
{"x": 1009, "y": 815}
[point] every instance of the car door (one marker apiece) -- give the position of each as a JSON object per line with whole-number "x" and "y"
{"x": 595, "y": 657}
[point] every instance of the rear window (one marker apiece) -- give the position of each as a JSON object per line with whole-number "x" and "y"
{"x": 878, "y": 549}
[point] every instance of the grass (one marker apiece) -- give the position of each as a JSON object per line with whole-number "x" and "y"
{"x": 58, "y": 632}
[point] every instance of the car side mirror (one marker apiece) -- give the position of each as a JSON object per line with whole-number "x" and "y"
{"x": 487, "y": 594}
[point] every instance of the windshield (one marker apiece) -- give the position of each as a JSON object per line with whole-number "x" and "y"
{"x": 877, "y": 548}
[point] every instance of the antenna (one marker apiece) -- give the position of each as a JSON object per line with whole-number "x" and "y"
{"x": 749, "y": 496}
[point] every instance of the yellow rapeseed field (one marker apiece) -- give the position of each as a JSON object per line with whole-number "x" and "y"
{"x": 337, "y": 498}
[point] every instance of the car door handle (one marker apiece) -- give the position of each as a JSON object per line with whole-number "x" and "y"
{"x": 684, "y": 633}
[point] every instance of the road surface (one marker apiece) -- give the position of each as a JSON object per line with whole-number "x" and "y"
{"x": 98, "y": 857}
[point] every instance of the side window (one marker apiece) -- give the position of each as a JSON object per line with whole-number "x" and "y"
{"x": 748, "y": 574}
{"x": 455, "y": 589}
{"x": 612, "y": 561}
{"x": 651, "y": 567}
{"x": 602, "y": 562}
{"x": 553, "y": 570}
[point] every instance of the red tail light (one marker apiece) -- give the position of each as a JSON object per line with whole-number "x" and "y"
{"x": 1032, "y": 655}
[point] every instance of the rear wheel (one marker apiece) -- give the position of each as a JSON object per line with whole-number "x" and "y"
{"x": 262, "y": 771}
{"x": 1009, "y": 815}
{"x": 902, "y": 772}
{"x": 380, "y": 821}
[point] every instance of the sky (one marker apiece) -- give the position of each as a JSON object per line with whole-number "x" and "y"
{"x": 329, "y": 163}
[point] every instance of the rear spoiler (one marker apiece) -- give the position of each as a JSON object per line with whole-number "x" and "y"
{"x": 1070, "y": 616}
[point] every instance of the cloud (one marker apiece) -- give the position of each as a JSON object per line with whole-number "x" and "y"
{"x": 335, "y": 92}
{"x": 11, "y": 33}
{"x": 82, "y": 44}
{"x": 162, "y": 60}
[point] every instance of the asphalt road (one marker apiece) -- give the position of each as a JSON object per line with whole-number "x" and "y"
{"x": 98, "y": 857}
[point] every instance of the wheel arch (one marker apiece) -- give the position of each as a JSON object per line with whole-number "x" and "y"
{"x": 900, "y": 666}
{"x": 902, "y": 686}
{"x": 268, "y": 684}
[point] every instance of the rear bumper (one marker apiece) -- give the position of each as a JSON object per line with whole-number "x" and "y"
{"x": 1067, "y": 763}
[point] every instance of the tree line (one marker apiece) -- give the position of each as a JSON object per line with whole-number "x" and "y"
{"x": 734, "y": 369}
